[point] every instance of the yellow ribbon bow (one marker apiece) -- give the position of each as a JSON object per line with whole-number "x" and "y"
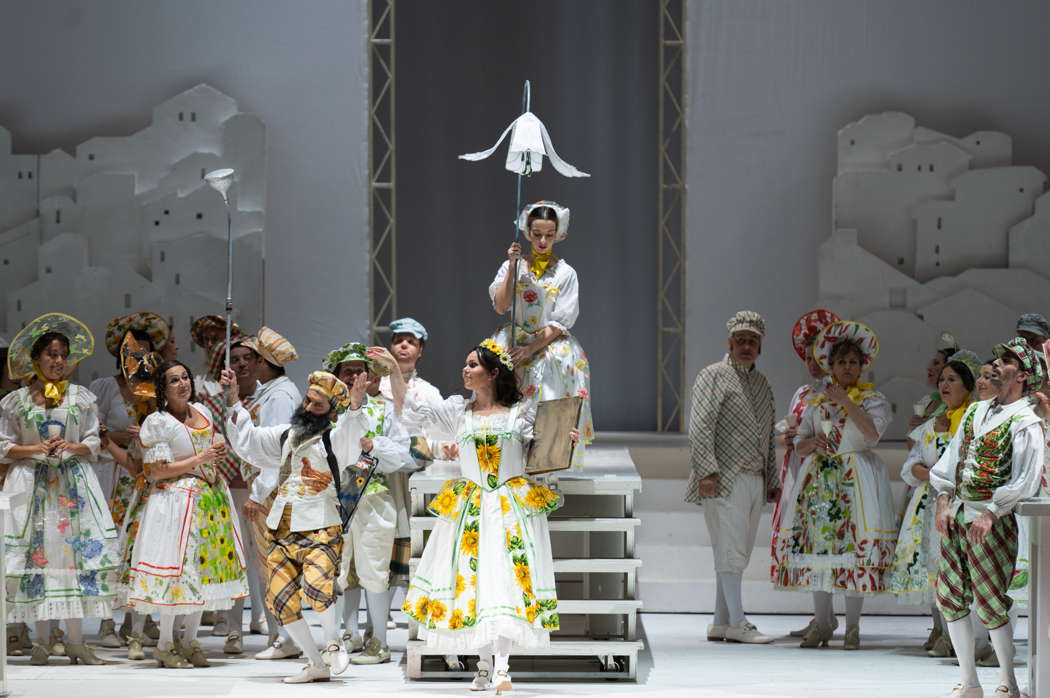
{"x": 539, "y": 263}
{"x": 857, "y": 394}
{"x": 53, "y": 390}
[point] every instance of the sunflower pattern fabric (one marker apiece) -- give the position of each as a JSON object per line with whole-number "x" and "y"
{"x": 487, "y": 571}
{"x": 187, "y": 552}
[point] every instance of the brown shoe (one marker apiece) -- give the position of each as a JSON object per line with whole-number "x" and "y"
{"x": 166, "y": 657}
{"x": 80, "y": 652}
{"x": 192, "y": 653}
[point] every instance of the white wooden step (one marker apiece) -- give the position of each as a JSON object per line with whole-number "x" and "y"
{"x": 557, "y": 648}
{"x": 614, "y": 659}
{"x": 426, "y": 523}
{"x": 598, "y": 606}
{"x": 612, "y": 565}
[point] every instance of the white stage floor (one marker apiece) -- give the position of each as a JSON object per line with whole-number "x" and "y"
{"x": 678, "y": 661}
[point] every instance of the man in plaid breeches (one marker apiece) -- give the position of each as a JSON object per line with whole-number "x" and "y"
{"x": 304, "y": 524}
{"x": 994, "y": 461}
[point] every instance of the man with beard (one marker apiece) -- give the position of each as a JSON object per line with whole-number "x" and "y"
{"x": 304, "y": 526}
{"x": 369, "y": 543}
{"x": 994, "y": 461}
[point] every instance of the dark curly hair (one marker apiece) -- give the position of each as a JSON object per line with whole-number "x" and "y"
{"x": 161, "y": 385}
{"x": 505, "y": 387}
{"x": 968, "y": 379}
{"x": 844, "y": 348}
{"x": 44, "y": 341}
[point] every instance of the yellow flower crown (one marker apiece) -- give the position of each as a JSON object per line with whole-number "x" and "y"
{"x": 500, "y": 352}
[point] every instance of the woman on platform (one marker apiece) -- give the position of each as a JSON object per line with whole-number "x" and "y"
{"x": 120, "y": 412}
{"x": 839, "y": 531}
{"x": 485, "y": 583}
{"x": 61, "y": 551}
{"x": 188, "y": 523}
{"x": 916, "y": 557}
{"x": 550, "y": 360}
{"x": 803, "y": 334}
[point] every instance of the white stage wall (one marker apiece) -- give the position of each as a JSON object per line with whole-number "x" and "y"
{"x": 75, "y": 69}
{"x": 770, "y": 85}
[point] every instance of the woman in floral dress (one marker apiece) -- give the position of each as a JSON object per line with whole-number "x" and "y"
{"x": 838, "y": 534}
{"x": 916, "y": 556}
{"x": 61, "y": 546}
{"x": 550, "y": 360}
{"x": 187, "y": 556}
{"x": 485, "y": 582}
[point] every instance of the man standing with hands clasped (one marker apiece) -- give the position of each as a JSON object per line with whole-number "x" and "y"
{"x": 734, "y": 471}
{"x": 994, "y": 461}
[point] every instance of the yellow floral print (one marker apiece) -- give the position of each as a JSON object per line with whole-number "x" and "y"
{"x": 581, "y": 364}
{"x": 471, "y": 607}
{"x": 437, "y": 610}
{"x": 489, "y": 457}
{"x": 469, "y": 542}
{"x": 539, "y": 497}
{"x": 455, "y": 621}
{"x": 521, "y": 572}
{"x": 504, "y": 504}
{"x": 445, "y": 503}
{"x": 461, "y": 584}
{"x": 421, "y": 608}
{"x": 178, "y": 592}
{"x": 530, "y": 613}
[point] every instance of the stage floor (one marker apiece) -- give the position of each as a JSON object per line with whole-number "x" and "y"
{"x": 677, "y": 662}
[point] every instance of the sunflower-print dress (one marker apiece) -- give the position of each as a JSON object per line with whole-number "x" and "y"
{"x": 187, "y": 555}
{"x": 487, "y": 571}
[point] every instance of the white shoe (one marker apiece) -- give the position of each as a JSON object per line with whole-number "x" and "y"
{"x": 716, "y": 633}
{"x": 279, "y": 649}
{"x": 1004, "y": 691}
{"x": 336, "y": 657}
{"x": 221, "y": 627}
{"x": 482, "y": 679}
{"x": 961, "y": 690}
{"x": 309, "y": 673}
{"x": 257, "y": 627}
{"x": 353, "y": 642}
{"x": 747, "y": 633}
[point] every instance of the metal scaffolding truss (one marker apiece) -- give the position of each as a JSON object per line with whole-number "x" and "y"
{"x": 670, "y": 303}
{"x": 382, "y": 196}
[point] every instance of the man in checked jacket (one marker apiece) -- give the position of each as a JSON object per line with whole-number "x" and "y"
{"x": 734, "y": 472}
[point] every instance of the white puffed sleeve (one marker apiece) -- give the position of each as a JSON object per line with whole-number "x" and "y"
{"x": 567, "y": 303}
{"x": 942, "y": 474}
{"x": 441, "y": 420}
{"x": 391, "y": 448}
{"x": 155, "y": 435}
{"x": 501, "y": 277}
{"x": 1027, "y": 471}
{"x": 9, "y": 431}
{"x": 87, "y": 421}
{"x": 525, "y": 424}
{"x": 260, "y": 446}
{"x": 881, "y": 414}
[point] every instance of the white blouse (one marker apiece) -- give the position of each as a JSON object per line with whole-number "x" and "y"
{"x": 556, "y": 299}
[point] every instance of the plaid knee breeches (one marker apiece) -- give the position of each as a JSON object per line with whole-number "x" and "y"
{"x": 302, "y": 567}
{"x": 977, "y": 574}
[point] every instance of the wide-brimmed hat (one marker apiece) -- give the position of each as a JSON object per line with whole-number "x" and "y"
{"x": 81, "y": 343}
{"x": 808, "y": 327}
{"x": 845, "y": 331}
{"x": 352, "y": 351}
{"x": 154, "y": 325}
{"x": 206, "y": 323}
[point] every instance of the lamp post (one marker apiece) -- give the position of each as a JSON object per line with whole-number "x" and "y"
{"x": 221, "y": 180}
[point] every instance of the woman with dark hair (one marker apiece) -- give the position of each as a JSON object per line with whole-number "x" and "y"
{"x": 485, "y": 582}
{"x": 838, "y": 532}
{"x": 916, "y": 557}
{"x": 61, "y": 551}
{"x": 930, "y": 405}
{"x": 187, "y": 557}
{"x": 550, "y": 361}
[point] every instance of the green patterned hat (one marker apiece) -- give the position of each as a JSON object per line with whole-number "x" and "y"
{"x": 351, "y": 351}
{"x": 1030, "y": 363}
{"x": 81, "y": 343}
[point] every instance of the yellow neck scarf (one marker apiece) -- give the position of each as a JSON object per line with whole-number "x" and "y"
{"x": 955, "y": 416}
{"x": 539, "y": 263}
{"x": 53, "y": 390}
{"x": 857, "y": 394}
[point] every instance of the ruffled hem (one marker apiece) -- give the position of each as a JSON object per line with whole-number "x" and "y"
{"x": 851, "y": 580}
{"x": 60, "y": 609}
{"x": 221, "y": 597}
{"x": 521, "y": 635}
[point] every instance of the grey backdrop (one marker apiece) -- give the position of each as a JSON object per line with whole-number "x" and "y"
{"x": 770, "y": 85}
{"x": 73, "y": 69}
{"x": 460, "y": 68}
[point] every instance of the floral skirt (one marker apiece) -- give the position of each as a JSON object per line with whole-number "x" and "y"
{"x": 916, "y": 559}
{"x": 487, "y": 571}
{"x": 187, "y": 553}
{"x": 839, "y": 532}
{"x": 62, "y": 548}
{"x": 560, "y": 370}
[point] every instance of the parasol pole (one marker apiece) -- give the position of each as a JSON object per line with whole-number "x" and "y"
{"x": 526, "y": 157}
{"x": 220, "y": 181}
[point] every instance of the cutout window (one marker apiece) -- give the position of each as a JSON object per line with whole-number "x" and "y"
{"x": 127, "y": 300}
{"x": 940, "y": 222}
{"x": 91, "y": 156}
{"x": 58, "y": 216}
{"x": 178, "y": 279}
{"x": 200, "y": 216}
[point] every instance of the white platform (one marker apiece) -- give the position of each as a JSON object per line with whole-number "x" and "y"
{"x": 677, "y": 662}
